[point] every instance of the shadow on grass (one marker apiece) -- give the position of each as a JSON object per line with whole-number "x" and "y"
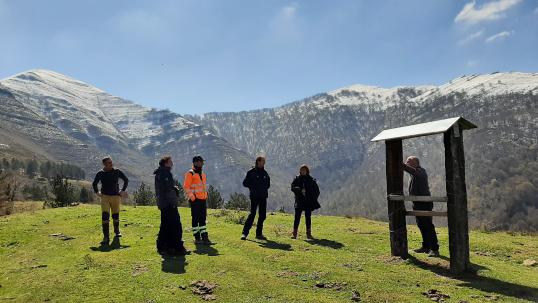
{"x": 326, "y": 243}
{"x": 274, "y": 245}
{"x": 473, "y": 280}
{"x": 206, "y": 250}
{"x": 173, "y": 264}
{"x": 115, "y": 244}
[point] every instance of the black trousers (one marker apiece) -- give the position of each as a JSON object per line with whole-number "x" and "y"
{"x": 170, "y": 233}
{"x": 256, "y": 203}
{"x": 199, "y": 216}
{"x": 425, "y": 224}
{"x": 307, "y": 215}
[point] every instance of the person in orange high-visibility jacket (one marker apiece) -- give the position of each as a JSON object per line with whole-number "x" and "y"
{"x": 196, "y": 191}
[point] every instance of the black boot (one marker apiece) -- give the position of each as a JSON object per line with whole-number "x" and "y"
{"x": 116, "y": 223}
{"x": 117, "y": 229}
{"x": 106, "y": 236}
{"x": 205, "y": 239}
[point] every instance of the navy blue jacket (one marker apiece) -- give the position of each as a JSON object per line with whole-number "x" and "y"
{"x": 258, "y": 182}
{"x": 165, "y": 188}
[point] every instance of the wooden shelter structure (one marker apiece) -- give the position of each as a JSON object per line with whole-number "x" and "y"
{"x": 456, "y": 199}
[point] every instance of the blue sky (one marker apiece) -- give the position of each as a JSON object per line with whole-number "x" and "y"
{"x": 203, "y": 56}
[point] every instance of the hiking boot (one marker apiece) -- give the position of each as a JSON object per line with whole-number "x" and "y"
{"x": 117, "y": 229}
{"x": 309, "y": 234}
{"x": 206, "y": 241}
{"x": 243, "y": 237}
{"x": 422, "y": 250}
{"x": 433, "y": 253}
{"x": 261, "y": 237}
{"x": 182, "y": 251}
{"x": 198, "y": 241}
{"x": 294, "y": 233}
{"x": 105, "y": 241}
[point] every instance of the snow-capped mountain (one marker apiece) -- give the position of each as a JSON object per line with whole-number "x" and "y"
{"x": 81, "y": 117}
{"x": 332, "y": 132}
{"x": 56, "y": 117}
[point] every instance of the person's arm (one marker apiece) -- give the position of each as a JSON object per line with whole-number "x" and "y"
{"x": 268, "y": 182}
{"x": 316, "y": 189}
{"x": 410, "y": 169}
{"x": 96, "y": 181}
{"x": 246, "y": 181}
{"x": 295, "y": 188}
{"x": 187, "y": 186}
{"x": 122, "y": 176}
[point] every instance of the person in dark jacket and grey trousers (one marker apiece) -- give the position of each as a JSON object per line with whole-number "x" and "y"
{"x": 419, "y": 187}
{"x": 306, "y": 192}
{"x": 169, "y": 240}
{"x": 258, "y": 182}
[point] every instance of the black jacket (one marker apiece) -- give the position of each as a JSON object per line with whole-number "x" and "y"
{"x": 109, "y": 182}
{"x": 165, "y": 188}
{"x": 308, "y": 200}
{"x": 419, "y": 186}
{"x": 258, "y": 182}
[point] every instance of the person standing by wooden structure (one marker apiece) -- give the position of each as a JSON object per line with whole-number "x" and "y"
{"x": 456, "y": 199}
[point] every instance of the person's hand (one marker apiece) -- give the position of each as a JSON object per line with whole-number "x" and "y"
{"x": 99, "y": 194}
{"x": 123, "y": 193}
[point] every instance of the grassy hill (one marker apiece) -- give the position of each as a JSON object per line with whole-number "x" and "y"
{"x": 53, "y": 255}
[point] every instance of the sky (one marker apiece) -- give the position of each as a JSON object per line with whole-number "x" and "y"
{"x": 200, "y": 56}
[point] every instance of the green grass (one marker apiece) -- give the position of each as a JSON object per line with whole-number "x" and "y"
{"x": 354, "y": 253}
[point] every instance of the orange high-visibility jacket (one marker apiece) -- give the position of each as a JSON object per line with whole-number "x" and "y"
{"x": 195, "y": 185}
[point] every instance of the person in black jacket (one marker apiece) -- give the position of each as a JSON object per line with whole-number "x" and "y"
{"x": 110, "y": 195}
{"x": 306, "y": 192}
{"x": 169, "y": 240}
{"x": 419, "y": 187}
{"x": 258, "y": 182}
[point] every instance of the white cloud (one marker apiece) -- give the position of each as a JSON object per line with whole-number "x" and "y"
{"x": 471, "y": 37}
{"x": 471, "y": 63}
{"x": 499, "y": 36}
{"x": 288, "y": 11}
{"x": 493, "y": 10}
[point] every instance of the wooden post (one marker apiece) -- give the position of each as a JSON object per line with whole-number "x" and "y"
{"x": 458, "y": 226}
{"x": 396, "y": 209}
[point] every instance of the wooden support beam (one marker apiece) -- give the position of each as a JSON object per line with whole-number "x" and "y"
{"x": 458, "y": 226}
{"x": 396, "y": 210}
{"x": 425, "y": 213}
{"x": 417, "y": 198}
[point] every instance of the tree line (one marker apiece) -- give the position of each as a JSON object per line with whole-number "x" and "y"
{"x": 46, "y": 169}
{"x": 144, "y": 195}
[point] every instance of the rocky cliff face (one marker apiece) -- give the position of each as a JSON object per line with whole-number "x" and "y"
{"x": 58, "y": 117}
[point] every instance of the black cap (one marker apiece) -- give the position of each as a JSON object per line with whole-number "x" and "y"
{"x": 197, "y": 158}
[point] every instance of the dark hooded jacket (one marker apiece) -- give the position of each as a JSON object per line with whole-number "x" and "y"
{"x": 309, "y": 200}
{"x": 258, "y": 182}
{"x": 165, "y": 188}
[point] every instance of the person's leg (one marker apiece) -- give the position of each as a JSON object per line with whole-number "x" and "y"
{"x": 195, "y": 212}
{"x": 176, "y": 229}
{"x": 296, "y": 222}
{"x": 308, "y": 219}
{"x": 251, "y": 216}
{"x": 431, "y": 235}
{"x": 421, "y": 224}
{"x": 162, "y": 244}
{"x": 262, "y": 214}
{"x": 115, "y": 202}
{"x": 203, "y": 218}
{"x": 105, "y": 218}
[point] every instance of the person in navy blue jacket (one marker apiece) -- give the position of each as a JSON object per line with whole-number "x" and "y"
{"x": 258, "y": 182}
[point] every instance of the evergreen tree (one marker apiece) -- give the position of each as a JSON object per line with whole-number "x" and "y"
{"x": 238, "y": 201}
{"x": 214, "y": 198}
{"x": 32, "y": 167}
{"x": 64, "y": 192}
{"x": 143, "y": 195}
